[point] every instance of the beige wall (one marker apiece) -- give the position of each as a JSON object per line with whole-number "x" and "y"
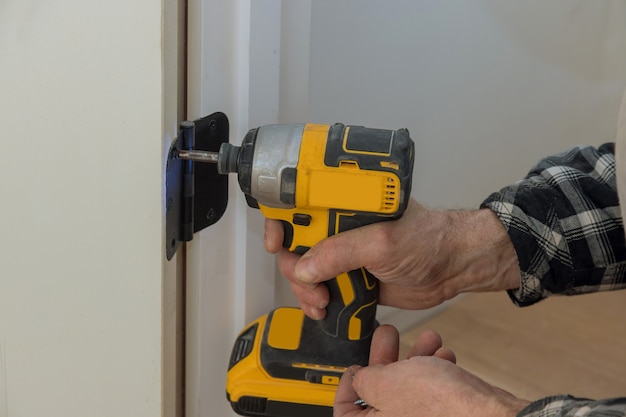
{"x": 81, "y": 116}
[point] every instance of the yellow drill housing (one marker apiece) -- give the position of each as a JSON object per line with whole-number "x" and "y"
{"x": 319, "y": 180}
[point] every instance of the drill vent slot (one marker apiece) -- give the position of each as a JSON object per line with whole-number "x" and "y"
{"x": 254, "y": 405}
{"x": 243, "y": 346}
{"x": 390, "y": 198}
{"x": 242, "y": 349}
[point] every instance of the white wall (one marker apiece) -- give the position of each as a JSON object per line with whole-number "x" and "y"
{"x": 486, "y": 87}
{"x": 81, "y": 270}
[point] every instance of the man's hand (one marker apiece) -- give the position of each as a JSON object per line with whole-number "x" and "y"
{"x": 428, "y": 384}
{"x": 421, "y": 259}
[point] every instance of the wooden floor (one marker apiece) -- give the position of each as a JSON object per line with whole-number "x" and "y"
{"x": 574, "y": 345}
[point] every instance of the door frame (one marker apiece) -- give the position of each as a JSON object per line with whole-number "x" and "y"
{"x": 233, "y": 67}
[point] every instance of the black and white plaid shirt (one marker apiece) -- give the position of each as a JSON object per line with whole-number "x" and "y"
{"x": 565, "y": 224}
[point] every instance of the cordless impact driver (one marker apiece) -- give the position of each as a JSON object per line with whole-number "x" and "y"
{"x": 319, "y": 180}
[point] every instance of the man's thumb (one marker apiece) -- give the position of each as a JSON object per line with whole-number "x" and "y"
{"x": 329, "y": 258}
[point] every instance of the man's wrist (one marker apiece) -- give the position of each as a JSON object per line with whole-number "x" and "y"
{"x": 484, "y": 256}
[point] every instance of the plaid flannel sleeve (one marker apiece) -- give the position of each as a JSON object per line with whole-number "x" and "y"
{"x": 568, "y": 406}
{"x": 565, "y": 224}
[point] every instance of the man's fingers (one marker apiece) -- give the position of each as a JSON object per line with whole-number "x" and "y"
{"x": 445, "y": 354}
{"x": 346, "y": 396}
{"x": 287, "y": 262}
{"x": 274, "y": 235}
{"x": 385, "y": 345}
{"x": 313, "y": 298}
{"x": 367, "y": 383}
{"x": 384, "y": 350}
{"x": 427, "y": 343}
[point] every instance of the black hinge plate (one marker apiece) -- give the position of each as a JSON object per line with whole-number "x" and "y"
{"x": 195, "y": 194}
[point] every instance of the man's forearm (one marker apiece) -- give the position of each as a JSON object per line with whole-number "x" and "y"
{"x": 565, "y": 224}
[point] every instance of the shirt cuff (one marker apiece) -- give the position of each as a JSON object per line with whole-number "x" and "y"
{"x": 568, "y": 406}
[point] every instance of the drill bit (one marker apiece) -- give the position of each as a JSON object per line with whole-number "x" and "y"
{"x": 199, "y": 156}
{"x": 226, "y": 158}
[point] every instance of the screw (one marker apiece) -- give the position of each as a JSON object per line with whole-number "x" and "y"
{"x": 360, "y": 402}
